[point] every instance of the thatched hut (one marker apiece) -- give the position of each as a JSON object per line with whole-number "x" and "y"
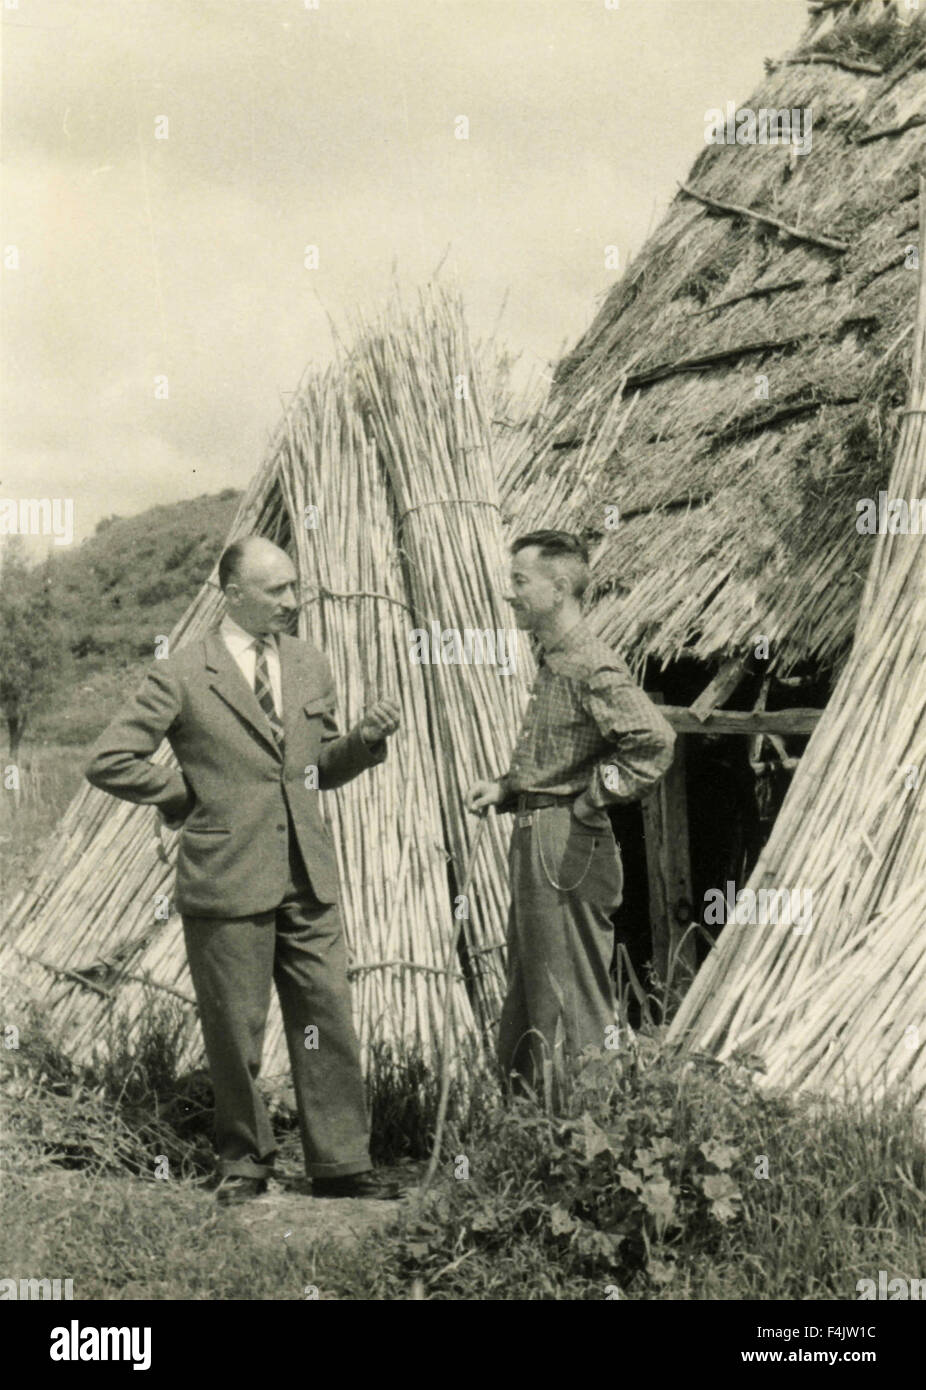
{"x": 712, "y": 433}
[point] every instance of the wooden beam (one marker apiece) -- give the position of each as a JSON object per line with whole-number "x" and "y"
{"x": 730, "y": 721}
{"x": 847, "y": 64}
{"x": 662, "y": 370}
{"x": 737, "y": 210}
{"x": 720, "y": 688}
{"x": 760, "y": 290}
{"x": 668, "y": 871}
{"x": 756, "y": 741}
{"x": 890, "y": 81}
{"x": 757, "y": 421}
{"x": 886, "y": 131}
{"x": 786, "y": 759}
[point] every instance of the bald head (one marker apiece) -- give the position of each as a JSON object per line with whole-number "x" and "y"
{"x": 245, "y": 554}
{"x": 259, "y": 583}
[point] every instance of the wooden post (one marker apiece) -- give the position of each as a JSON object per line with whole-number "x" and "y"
{"x": 668, "y": 870}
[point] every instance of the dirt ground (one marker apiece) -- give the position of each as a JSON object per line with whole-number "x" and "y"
{"x": 288, "y": 1212}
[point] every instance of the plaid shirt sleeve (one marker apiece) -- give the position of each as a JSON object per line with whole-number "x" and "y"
{"x": 641, "y": 738}
{"x": 509, "y": 796}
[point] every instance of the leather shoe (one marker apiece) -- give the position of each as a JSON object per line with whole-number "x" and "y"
{"x": 233, "y": 1190}
{"x": 369, "y": 1185}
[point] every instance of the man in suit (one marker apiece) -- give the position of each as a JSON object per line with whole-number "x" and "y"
{"x": 249, "y": 714}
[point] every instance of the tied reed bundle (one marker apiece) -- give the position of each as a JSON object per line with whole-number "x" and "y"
{"x": 842, "y": 1005}
{"x": 424, "y": 395}
{"x": 387, "y": 826}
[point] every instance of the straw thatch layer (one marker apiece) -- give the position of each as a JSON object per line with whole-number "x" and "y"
{"x": 840, "y": 1000}
{"x": 738, "y": 510}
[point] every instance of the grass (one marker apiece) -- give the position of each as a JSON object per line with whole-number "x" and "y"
{"x": 661, "y": 1178}
{"x": 49, "y": 776}
{"x": 80, "y": 708}
{"x": 120, "y": 1240}
{"x": 652, "y": 1181}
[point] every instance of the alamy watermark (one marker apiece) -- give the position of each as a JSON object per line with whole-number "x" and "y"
{"x": 740, "y": 125}
{"x": 38, "y": 516}
{"x": 765, "y": 907}
{"x": 76, "y": 1343}
{"x": 891, "y": 1289}
{"x": 891, "y": 516}
{"x": 27, "y": 1290}
{"x": 449, "y": 646}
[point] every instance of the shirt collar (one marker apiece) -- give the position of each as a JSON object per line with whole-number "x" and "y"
{"x": 238, "y": 639}
{"x": 565, "y": 641}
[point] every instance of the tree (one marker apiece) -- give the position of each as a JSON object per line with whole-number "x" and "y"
{"x": 30, "y": 639}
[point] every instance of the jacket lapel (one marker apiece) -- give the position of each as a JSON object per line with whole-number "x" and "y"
{"x": 230, "y": 685}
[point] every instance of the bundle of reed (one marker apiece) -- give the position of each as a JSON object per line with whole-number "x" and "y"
{"x": 518, "y": 419}
{"x": 860, "y": 1024}
{"x": 843, "y": 1000}
{"x": 424, "y": 394}
{"x": 386, "y": 826}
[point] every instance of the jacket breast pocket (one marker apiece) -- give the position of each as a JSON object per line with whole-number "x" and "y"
{"x": 318, "y": 705}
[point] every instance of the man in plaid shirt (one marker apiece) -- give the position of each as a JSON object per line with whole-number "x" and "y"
{"x": 590, "y": 738}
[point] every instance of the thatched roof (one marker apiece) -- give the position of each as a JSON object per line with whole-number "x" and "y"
{"x": 738, "y": 513}
{"x": 835, "y": 1004}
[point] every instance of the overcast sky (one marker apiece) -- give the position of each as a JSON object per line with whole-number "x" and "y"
{"x": 290, "y": 126}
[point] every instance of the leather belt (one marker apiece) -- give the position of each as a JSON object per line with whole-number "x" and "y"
{"x": 536, "y": 801}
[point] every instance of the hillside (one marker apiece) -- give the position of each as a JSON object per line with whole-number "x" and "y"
{"x": 123, "y": 587}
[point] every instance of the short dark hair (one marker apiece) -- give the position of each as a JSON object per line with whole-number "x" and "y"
{"x": 560, "y": 545}
{"x": 230, "y": 562}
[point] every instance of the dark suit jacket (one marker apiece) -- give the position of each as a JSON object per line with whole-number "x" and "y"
{"x": 234, "y": 790}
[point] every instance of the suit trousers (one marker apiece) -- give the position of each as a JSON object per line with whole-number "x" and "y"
{"x": 566, "y": 881}
{"x": 300, "y": 947}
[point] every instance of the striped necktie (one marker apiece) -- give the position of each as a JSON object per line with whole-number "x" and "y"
{"x": 264, "y": 693}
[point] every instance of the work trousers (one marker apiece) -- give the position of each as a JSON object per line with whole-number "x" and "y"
{"x": 300, "y": 947}
{"x": 566, "y": 881}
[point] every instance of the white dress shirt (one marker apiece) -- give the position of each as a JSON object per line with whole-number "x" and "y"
{"x": 243, "y": 647}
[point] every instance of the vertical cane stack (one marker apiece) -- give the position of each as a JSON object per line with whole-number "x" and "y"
{"x": 425, "y": 400}
{"x": 843, "y": 1006}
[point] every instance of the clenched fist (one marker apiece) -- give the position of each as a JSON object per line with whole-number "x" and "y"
{"x": 380, "y": 721}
